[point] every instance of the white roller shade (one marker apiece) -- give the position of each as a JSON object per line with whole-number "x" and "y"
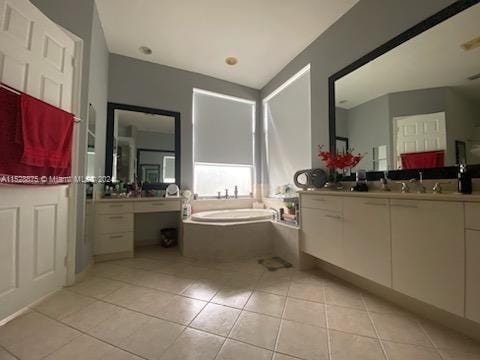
{"x": 223, "y": 129}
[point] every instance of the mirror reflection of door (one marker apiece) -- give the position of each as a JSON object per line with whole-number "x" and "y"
{"x": 144, "y": 147}
{"x": 90, "y": 147}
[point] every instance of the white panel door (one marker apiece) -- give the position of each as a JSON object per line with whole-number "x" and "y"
{"x": 417, "y": 133}
{"x": 36, "y": 57}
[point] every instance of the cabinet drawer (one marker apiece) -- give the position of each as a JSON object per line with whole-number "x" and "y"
{"x": 114, "y": 223}
{"x": 472, "y": 301}
{"x": 114, "y": 208}
{"x": 330, "y": 203}
{"x": 113, "y": 243}
{"x": 156, "y": 206}
{"x": 472, "y": 216}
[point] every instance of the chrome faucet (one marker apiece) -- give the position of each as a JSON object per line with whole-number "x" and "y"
{"x": 384, "y": 182}
{"x": 437, "y": 188}
{"x": 276, "y": 214}
{"x": 405, "y": 188}
{"x": 419, "y": 183}
{"x": 235, "y": 192}
{"x": 226, "y": 193}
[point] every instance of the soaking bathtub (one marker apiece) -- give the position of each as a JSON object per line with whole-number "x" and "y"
{"x": 225, "y": 235}
{"x": 233, "y": 215}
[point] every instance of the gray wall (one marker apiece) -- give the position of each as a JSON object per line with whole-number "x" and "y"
{"x": 369, "y": 24}
{"x": 368, "y": 127}
{"x": 141, "y": 83}
{"x": 341, "y": 121}
{"x": 81, "y": 18}
{"x": 155, "y": 140}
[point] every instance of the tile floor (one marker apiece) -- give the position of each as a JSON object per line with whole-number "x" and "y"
{"x": 160, "y": 305}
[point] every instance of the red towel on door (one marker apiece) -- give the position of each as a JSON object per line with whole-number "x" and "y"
{"x": 46, "y": 134}
{"x": 12, "y": 170}
{"x": 423, "y": 160}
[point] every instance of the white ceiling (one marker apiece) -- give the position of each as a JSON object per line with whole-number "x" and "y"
{"x": 146, "y": 122}
{"x": 432, "y": 59}
{"x": 197, "y": 35}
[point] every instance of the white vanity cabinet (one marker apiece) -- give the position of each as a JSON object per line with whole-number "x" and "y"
{"x": 322, "y": 230}
{"x": 472, "y": 234}
{"x": 366, "y": 244}
{"x": 428, "y": 252}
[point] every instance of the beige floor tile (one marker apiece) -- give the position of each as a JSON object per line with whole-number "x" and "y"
{"x": 148, "y": 301}
{"x": 180, "y": 309}
{"x": 194, "y": 345}
{"x": 256, "y": 329}
{"x": 276, "y": 286}
{"x": 62, "y": 304}
{"x": 108, "y": 270}
{"x": 265, "y": 303}
{"x": 448, "y": 339}
{"x": 278, "y": 356}
{"x": 403, "y": 329}
{"x": 312, "y": 277}
{"x": 164, "y": 282}
{"x": 397, "y": 351}
{"x": 306, "y": 291}
{"x": 217, "y": 319}
{"x": 91, "y": 316}
{"x": 350, "y": 320}
{"x": 305, "y": 311}
{"x": 234, "y": 350}
{"x": 203, "y": 289}
{"x": 376, "y": 304}
{"x": 344, "y": 296}
{"x": 34, "y": 336}
{"x": 96, "y": 287}
{"x": 119, "y": 327}
{"x": 348, "y": 347}
{"x": 86, "y": 347}
{"x": 455, "y": 355}
{"x": 152, "y": 339}
{"x": 4, "y": 355}
{"x": 303, "y": 341}
{"x": 232, "y": 297}
{"x": 240, "y": 280}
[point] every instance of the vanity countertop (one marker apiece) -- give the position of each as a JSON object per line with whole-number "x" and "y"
{"x": 138, "y": 199}
{"x": 447, "y": 196}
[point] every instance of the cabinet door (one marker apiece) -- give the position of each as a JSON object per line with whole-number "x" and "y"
{"x": 322, "y": 235}
{"x": 366, "y": 239}
{"x": 472, "y": 310}
{"x": 428, "y": 252}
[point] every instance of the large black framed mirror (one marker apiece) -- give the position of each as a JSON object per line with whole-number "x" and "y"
{"x": 413, "y": 104}
{"x": 143, "y": 145}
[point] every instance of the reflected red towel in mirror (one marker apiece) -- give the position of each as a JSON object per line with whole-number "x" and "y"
{"x": 423, "y": 160}
{"x": 46, "y": 133}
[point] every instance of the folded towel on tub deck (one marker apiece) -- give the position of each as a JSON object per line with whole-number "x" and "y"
{"x": 46, "y": 134}
{"x": 12, "y": 170}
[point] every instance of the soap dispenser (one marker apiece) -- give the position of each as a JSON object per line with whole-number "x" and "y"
{"x": 464, "y": 180}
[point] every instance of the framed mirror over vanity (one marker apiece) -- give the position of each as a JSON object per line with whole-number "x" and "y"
{"x": 413, "y": 104}
{"x": 143, "y": 146}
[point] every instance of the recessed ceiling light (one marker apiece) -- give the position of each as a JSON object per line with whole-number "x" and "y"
{"x": 231, "y": 60}
{"x": 145, "y": 50}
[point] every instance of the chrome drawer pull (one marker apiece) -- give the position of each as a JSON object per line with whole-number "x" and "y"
{"x": 375, "y": 204}
{"x": 116, "y": 236}
{"x": 333, "y": 216}
{"x": 116, "y": 217}
{"x": 406, "y": 206}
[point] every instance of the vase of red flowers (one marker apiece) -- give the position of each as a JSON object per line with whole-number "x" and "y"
{"x": 343, "y": 161}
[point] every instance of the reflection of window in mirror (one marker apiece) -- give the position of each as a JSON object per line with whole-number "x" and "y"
{"x": 169, "y": 169}
{"x": 380, "y": 159}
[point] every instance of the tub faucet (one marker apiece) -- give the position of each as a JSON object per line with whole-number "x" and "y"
{"x": 235, "y": 192}
{"x": 419, "y": 182}
{"x": 226, "y": 193}
{"x": 276, "y": 214}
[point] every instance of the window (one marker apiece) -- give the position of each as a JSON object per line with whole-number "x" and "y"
{"x": 169, "y": 169}
{"x": 223, "y": 143}
{"x": 288, "y": 130}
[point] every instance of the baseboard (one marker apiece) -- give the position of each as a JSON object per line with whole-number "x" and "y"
{"x": 427, "y": 311}
{"x": 113, "y": 256}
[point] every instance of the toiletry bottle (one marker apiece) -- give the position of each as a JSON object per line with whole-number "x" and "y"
{"x": 464, "y": 180}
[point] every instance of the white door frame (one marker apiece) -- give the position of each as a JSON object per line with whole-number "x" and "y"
{"x": 75, "y": 193}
